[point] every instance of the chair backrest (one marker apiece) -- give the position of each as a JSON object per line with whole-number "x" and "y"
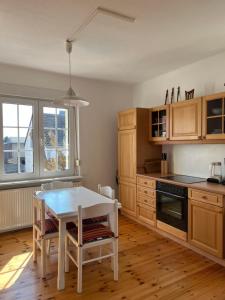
{"x": 54, "y": 185}
{"x": 106, "y": 191}
{"x": 98, "y": 210}
{"x": 39, "y": 213}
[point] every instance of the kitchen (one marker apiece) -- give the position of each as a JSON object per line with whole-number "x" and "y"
{"x": 188, "y": 209}
{"x": 112, "y": 117}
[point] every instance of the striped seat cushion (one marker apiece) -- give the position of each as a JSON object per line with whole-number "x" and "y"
{"x": 95, "y": 220}
{"x": 93, "y": 232}
{"x": 50, "y": 226}
{"x": 69, "y": 225}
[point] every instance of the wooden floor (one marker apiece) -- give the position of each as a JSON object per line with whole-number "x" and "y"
{"x": 151, "y": 267}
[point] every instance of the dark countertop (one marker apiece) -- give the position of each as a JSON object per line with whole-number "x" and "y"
{"x": 206, "y": 186}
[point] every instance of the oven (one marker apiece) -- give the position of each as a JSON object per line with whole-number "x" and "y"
{"x": 172, "y": 205}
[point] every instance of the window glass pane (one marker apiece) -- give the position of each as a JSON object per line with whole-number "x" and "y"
{"x": 10, "y": 162}
{"x": 49, "y": 117}
{"x": 50, "y": 160}
{"x": 25, "y": 115}
{"x": 63, "y": 160}
{"x": 62, "y": 118}
{"x": 26, "y": 162}
{"x": 62, "y": 138}
{"x": 26, "y": 137}
{"x": 56, "y": 139}
{"x": 10, "y": 139}
{"x": 49, "y": 138}
{"x": 9, "y": 112}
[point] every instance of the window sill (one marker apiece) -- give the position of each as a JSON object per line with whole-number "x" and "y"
{"x": 35, "y": 182}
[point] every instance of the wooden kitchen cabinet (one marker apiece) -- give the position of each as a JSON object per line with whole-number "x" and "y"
{"x": 127, "y": 157}
{"x": 205, "y": 227}
{"x": 185, "y": 120}
{"x": 159, "y": 123}
{"x": 134, "y": 150}
{"x": 213, "y": 119}
{"x": 127, "y": 119}
{"x": 146, "y": 214}
{"x": 127, "y": 196}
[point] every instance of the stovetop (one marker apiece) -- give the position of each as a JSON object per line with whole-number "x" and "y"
{"x": 184, "y": 178}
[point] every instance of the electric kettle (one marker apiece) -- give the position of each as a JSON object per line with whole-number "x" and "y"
{"x": 215, "y": 172}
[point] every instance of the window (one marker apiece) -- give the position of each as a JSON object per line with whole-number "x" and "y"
{"x": 56, "y": 139}
{"x": 17, "y": 138}
{"x": 37, "y": 139}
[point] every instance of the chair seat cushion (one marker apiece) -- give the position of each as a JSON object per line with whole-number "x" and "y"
{"x": 69, "y": 225}
{"x": 95, "y": 220}
{"x": 93, "y": 232}
{"x": 50, "y": 226}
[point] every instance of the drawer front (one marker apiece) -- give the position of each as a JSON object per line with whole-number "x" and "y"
{"x": 146, "y": 200}
{"x": 146, "y": 191}
{"x": 206, "y": 197}
{"x": 147, "y": 182}
{"x": 146, "y": 214}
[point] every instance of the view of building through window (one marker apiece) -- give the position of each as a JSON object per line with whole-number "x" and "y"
{"x": 17, "y": 138}
{"x": 55, "y": 126}
{"x": 22, "y": 136}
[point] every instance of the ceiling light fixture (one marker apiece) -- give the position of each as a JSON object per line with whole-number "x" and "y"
{"x": 71, "y": 99}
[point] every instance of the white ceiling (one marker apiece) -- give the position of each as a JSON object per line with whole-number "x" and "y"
{"x": 167, "y": 34}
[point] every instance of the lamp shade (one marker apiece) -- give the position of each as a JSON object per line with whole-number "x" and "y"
{"x": 71, "y": 99}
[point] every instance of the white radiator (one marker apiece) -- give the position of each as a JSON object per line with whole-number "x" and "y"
{"x": 16, "y": 208}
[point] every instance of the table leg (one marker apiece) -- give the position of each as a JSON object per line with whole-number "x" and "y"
{"x": 61, "y": 255}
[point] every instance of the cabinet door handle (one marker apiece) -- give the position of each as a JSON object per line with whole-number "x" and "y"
{"x": 204, "y": 197}
{"x": 145, "y": 192}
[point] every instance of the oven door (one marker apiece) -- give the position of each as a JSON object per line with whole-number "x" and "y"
{"x": 172, "y": 209}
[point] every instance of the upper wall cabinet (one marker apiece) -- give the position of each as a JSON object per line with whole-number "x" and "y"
{"x": 185, "y": 120}
{"x": 214, "y": 116}
{"x": 159, "y": 123}
{"x": 127, "y": 119}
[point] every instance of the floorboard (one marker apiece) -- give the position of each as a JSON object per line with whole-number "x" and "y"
{"x": 151, "y": 267}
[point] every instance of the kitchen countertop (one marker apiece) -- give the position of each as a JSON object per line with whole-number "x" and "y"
{"x": 206, "y": 186}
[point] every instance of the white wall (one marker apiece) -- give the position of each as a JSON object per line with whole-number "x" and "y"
{"x": 97, "y": 122}
{"x": 207, "y": 77}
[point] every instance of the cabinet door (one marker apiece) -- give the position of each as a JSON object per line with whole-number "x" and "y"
{"x": 127, "y": 196}
{"x": 127, "y": 119}
{"x": 205, "y": 227}
{"x": 159, "y": 123}
{"x": 146, "y": 214}
{"x": 214, "y": 117}
{"x": 185, "y": 120}
{"x": 127, "y": 158}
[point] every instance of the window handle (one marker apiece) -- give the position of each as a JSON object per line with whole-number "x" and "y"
{"x": 41, "y": 142}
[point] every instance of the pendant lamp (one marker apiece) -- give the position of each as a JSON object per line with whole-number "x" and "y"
{"x": 71, "y": 99}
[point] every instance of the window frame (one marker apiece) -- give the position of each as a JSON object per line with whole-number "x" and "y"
{"x": 71, "y": 148}
{"x": 38, "y": 134}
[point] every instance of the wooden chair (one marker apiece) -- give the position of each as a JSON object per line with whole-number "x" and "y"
{"x": 43, "y": 230}
{"x": 93, "y": 235}
{"x": 54, "y": 185}
{"x": 106, "y": 191}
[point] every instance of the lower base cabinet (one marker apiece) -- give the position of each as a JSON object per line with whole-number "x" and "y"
{"x": 127, "y": 197}
{"x": 205, "y": 227}
{"x": 146, "y": 214}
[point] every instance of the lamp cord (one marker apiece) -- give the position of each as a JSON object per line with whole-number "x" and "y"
{"x": 70, "y": 81}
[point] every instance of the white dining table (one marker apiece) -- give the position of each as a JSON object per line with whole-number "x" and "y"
{"x": 63, "y": 204}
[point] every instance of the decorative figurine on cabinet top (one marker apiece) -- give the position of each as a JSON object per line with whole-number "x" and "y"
{"x": 189, "y": 94}
{"x": 178, "y": 93}
{"x": 167, "y": 97}
{"x": 172, "y": 95}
